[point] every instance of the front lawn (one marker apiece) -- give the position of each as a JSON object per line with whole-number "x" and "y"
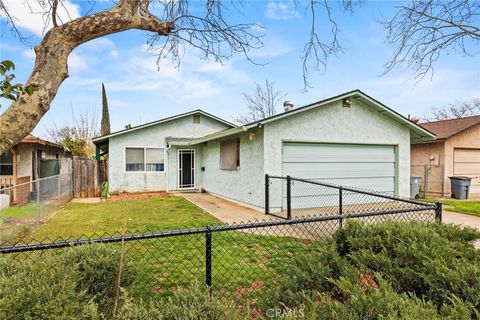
{"x": 140, "y": 216}
{"x": 239, "y": 259}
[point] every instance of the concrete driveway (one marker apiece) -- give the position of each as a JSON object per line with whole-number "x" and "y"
{"x": 463, "y": 220}
{"x": 224, "y": 210}
{"x": 230, "y": 213}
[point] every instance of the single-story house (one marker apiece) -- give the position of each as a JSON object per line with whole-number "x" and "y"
{"x": 350, "y": 139}
{"x": 456, "y": 152}
{"x": 31, "y": 159}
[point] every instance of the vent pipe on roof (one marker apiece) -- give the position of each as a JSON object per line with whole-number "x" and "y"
{"x": 415, "y": 119}
{"x": 288, "y": 106}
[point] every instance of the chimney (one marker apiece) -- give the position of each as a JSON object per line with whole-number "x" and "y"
{"x": 288, "y": 106}
{"x": 415, "y": 120}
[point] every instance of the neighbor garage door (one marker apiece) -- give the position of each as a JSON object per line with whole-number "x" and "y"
{"x": 364, "y": 166}
{"x": 466, "y": 162}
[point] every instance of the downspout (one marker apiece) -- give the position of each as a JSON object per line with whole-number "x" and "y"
{"x": 168, "y": 168}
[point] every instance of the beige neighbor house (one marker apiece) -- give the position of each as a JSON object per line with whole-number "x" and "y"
{"x": 456, "y": 152}
{"x": 31, "y": 159}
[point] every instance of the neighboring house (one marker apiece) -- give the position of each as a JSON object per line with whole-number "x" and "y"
{"x": 31, "y": 159}
{"x": 456, "y": 152}
{"x": 350, "y": 139}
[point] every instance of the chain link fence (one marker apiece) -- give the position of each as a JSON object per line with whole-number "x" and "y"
{"x": 238, "y": 259}
{"x": 288, "y": 197}
{"x": 27, "y": 204}
{"x": 432, "y": 179}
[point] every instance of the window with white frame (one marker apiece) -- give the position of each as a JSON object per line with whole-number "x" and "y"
{"x": 6, "y": 164}
{"x": 144, "y": 159}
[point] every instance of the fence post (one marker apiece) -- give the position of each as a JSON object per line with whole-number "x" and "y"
{"x": 208, "y": 257}
{"x": 289, "y": 197}
{"x": 267, "y": 193}
{"x": 38, "y": 199}
{"x": 425, "y": 181}
{"x": 59, "y": 190}
{"x": 340, "y": 205}
{"x": 438, "y": 211}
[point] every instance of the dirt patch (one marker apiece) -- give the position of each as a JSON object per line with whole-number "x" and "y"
{"x": 138, "y": 195}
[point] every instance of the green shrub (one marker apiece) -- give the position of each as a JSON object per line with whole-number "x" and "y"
{"x": 75, "y": 283}
{"x": 193, "y": 302}
{"x": 96, "y": 272}
{"x": 433, "y": 261}
{"x": 41, "y": 290}
{"x": 304, "y": 274}
{"x": 383, "y": 303}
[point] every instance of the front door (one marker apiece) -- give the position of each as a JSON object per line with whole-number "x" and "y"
{"x": 186, "y": 169}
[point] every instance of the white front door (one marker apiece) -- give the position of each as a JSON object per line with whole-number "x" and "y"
{"x": 186, "y": 169}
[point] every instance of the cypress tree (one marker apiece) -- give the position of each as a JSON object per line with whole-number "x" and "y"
{"x": 105, "y": 129}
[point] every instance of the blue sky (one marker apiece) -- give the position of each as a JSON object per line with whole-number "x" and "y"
{"x": 139, "y": 92}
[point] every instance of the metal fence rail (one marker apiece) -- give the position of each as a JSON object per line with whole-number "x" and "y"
{"x": 288, "y": 197}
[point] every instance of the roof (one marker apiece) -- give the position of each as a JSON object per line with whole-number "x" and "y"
{"x": 100, "y": 139}
{"x": 32, "y": 139}
{"x": 444, "y": 129}
{"x": 417, "y": 132}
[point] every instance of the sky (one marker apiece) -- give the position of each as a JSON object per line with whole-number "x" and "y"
{"x": 138, "y": 91}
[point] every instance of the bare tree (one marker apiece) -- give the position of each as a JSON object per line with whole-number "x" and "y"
{"x": 76, "y": 135}
{"x": 180, "y": 25}
{"x": 261, "y": 103}
{"x": 424, "y": 29}
{"x": 455, "y": 111}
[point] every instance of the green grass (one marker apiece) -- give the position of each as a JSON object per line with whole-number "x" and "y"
{"x": 145, "y": 215}
{"x": 467, "y": 207}
{"x": 26, "y": 211}
{"x": 239, "y": 259}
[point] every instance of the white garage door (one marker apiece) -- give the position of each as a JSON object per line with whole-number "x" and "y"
{"x": 466, "y": 162}
{"x": 364, "y": 166}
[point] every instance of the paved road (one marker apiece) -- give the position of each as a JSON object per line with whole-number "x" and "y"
{"x": 462, "y": 220}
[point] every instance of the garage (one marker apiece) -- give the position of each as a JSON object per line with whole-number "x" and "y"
{"x": 363, "y": 166}
{"x": 466, "y": 162}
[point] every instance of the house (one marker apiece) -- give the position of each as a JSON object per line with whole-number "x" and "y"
{"x": 31, "y": 159}
{"x": 349, "y": 139}
{"x": 456, "y": 152}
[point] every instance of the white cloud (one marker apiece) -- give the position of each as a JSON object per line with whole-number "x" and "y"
{"x": 114, "y": 54}
{"x": 30, "y": 53}
{"x": 29, "y": 14}
{"x": 76, "y": 61}
{"x": 99, "y": 44}
{"x": 281, "y": 10}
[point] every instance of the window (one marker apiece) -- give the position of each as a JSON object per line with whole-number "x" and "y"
{"x": 196, "y": 118}
{"x": 154, "y": 159}
{"x": 230, "y": 154}
{"x": 6, "y": 164}
{"x": 144, "y": 159}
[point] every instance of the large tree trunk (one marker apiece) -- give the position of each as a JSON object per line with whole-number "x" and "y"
{"x": 51, "y": 68}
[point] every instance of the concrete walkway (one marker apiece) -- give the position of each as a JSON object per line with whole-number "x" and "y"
{"x": 462, "y": 220}
{"x": 224, "y": 210}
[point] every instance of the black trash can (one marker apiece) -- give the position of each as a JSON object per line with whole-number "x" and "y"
{"x": 415, "y": 186}
{"x": 460, "y": 187}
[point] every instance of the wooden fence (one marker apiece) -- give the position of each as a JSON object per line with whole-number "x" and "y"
{"x": 88, "y": 176}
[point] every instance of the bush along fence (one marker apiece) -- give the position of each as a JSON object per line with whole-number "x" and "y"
{"x": 238, "y": 259}
{"x": 288, "y": 197}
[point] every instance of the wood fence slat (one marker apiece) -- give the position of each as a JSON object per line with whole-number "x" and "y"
{"x": 88, "y": 176}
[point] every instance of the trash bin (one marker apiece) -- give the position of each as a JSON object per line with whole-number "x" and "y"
{"x": 460, "y": 187}
{"x": 414, "y": 187}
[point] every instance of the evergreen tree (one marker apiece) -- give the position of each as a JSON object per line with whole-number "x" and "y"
{"x": 105, "y": 125}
